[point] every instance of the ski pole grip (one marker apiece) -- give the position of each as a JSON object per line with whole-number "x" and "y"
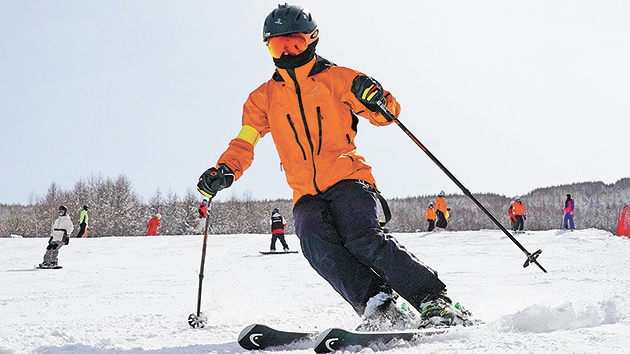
{"x": 385, "y": 111}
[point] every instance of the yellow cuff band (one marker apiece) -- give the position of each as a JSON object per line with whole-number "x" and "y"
{"x": 249, "y": 134}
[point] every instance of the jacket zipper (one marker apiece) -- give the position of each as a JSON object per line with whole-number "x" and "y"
{"x": 298, "y": 92}
{"x": 319, "y": 122}
{"x": 296, "y": 135}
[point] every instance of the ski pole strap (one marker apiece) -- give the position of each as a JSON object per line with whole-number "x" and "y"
{"x": 385, "y": 206}
{"x": 386, "y": 211}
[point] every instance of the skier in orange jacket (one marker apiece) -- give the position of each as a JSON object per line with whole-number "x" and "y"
{"x": 441, "y": 211}
{"x": 519, "y": 214}
{"x": 312, "y": 107}
{"x": 430, "y": 216}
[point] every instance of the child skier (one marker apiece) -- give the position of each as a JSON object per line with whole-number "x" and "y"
{"x": 61, "y": 229}
{"x": 430, "y": 216}
{"x": 512, "y": 217}
{"x": 311, "y": 107}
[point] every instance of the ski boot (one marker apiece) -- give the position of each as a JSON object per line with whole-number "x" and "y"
{"x": 382, "y": 313}
{"x": 439, "y": 311}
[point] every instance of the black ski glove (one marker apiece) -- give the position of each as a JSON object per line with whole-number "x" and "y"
{"x": 368, "y": 91}
{"x": 214, "y": 180}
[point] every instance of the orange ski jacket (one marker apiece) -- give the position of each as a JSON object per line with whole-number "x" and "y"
{"x": 430, "y": 214}
{"x": 518, "y": 208}
{"x": 312, "y": 116}
{"x": 440, "y": 204}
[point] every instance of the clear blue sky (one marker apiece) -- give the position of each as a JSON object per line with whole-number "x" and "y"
{"x": 509, "y": 95}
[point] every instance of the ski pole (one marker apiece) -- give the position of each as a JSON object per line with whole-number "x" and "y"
{"x": 198, "y": 320}
{"x": 531, "y": 257}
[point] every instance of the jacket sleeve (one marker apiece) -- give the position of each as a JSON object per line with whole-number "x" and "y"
{"x": 240, "y": 152}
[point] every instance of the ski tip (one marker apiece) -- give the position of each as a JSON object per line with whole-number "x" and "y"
{"x": 246, "y": 330}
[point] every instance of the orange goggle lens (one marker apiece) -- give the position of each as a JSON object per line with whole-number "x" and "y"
{"x": 292, "y": 44}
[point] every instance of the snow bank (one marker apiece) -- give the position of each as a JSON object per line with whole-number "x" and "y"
{"x": 134, "y": 294}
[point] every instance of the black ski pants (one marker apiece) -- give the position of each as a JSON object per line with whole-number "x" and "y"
{"x": 520, "y": 223}
{"x": 431, "y": 224}
{"x": 341, "y": 238}
{"x": 278, "y": 236}
{"x": 441, "y": 219}
{"x": 82, "y": 230}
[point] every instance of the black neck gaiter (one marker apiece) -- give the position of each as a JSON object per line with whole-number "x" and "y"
{"x": 295, "y": 61}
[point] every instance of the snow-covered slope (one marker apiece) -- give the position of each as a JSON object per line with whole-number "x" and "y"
{"x": 134, "y": 294}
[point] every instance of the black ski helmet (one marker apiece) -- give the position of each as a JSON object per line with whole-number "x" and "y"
{"x": 287, "y": 19}
{"x": 63, "y": 209}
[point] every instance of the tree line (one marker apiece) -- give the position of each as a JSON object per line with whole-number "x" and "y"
{"x": 116, "y": 210}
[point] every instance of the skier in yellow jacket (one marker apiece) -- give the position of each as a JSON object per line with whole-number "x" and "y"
{"x": 83, "y": 222}
{"x": 312, "y": 107}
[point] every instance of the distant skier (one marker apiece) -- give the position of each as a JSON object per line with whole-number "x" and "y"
{"x": 311, "y": 107}
{"x": 519, "y": 214}
{"x": 61, "y": 229}
{"x": 83, "y": 222}
{"x": 203, "y": 209}
{"x": 512, "y": 217}
{"x": 569, "y": 209}
{"x": 153, "y": 225}
{"x": 278, "y": 224}
{"x": 430, "y": 216}
{"x": 441, "y": 211}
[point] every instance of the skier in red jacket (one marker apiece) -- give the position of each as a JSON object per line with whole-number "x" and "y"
{"x": 512, "y": 217}
{"x": 153, "y": 225}
{"x": 203, "y": 209}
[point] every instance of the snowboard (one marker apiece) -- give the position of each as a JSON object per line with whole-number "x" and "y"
{"x": 334, "y": 339}
{"x": 55, "y": 267}
{"x": 257, "y": 336}
{"x": 278, "y": 252}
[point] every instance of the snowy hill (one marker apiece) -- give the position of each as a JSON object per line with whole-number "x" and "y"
{"x": 134, "y": 294}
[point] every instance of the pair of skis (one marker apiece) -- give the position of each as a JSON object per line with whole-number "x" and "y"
{"x": 257, "y": 337}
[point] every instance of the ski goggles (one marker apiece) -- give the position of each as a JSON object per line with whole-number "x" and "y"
{"x": 292, "y": 44}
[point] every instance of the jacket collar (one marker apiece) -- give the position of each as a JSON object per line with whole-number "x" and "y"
{"x": 315, "y": 66}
